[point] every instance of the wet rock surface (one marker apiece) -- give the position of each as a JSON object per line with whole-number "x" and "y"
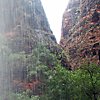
{"x": 24, "y": 20}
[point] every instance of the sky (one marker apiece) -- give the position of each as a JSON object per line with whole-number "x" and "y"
{"x": 54, "y": 10}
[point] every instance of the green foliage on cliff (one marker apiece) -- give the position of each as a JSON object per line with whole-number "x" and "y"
{"x": 61, "y": 84}
{"x": 57, "y": 83}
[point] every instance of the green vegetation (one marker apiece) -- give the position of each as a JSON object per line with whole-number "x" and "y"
{"x": 22, "y": 96}
{"x": 56, "y": 82}
{"x": 61, "y": 84}
{"x": 81, "y": 84}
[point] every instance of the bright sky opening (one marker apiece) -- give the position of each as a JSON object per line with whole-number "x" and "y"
{"x": 54, "y": 10}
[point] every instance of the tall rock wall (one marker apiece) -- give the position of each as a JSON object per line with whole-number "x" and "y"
{"x": 29, "y": 45}
{"x": 21, "y": 13}
{"x": 80, "y": 36}
{"x": 25, "y": 24}
{"x": 25, "y": 28}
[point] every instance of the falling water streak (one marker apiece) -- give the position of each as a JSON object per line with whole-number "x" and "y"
{"x": 4, "y": 69}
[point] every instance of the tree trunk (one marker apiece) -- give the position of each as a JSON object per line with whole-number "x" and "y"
{"x": 94, "y": 96}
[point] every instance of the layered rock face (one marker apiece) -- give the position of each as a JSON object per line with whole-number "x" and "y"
{"x": 28, "y": 41}
{"x": 21, "y": 13}
{"x": 24, "y": 25}
{"x": 24, "y": 22}
{"x": 81, "y": 32}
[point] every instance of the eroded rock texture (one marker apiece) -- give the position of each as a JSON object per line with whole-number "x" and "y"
{"x": 81, "y": 32}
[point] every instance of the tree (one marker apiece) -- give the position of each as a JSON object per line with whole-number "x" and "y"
{"x": 81, "y": 84}
{"x": 90, "y": 80}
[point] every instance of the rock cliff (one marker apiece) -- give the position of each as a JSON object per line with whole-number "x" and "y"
{"x": 25, "y": 20}
{"x": 30, "y": 44}
{"x": 80, "y": 36}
